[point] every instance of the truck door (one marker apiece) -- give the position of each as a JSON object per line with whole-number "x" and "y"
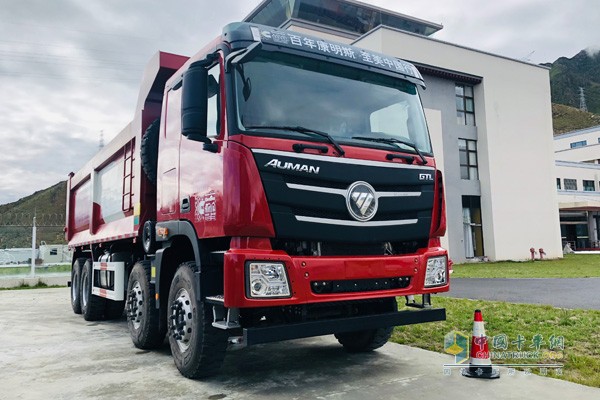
{"x": 201, "y": 170}
{"x": 168, "y": 159}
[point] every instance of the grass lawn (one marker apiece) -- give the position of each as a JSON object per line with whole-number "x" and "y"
{"x": 38, "y": 270}
{"x": 38, "y": 285}
{"x": 581, "y": 356}
{"x": 571, "y": 266}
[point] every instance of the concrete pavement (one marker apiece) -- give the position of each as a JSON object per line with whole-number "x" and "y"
{"x": 49, "y": 352}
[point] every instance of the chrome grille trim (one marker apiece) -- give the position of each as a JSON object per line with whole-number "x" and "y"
{"x": 343, "y": 222}
{"x": 343, "y": 192}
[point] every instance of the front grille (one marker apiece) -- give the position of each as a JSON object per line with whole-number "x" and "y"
{"x": 359, "y": 285}
{"x": 317, "y": 209}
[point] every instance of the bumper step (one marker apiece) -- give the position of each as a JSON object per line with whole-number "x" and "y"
{"x": 277, "y": 333}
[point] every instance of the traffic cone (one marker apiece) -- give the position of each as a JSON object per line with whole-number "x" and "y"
{"x": 480, "y": 365}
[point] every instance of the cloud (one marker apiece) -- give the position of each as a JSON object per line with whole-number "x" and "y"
{"x": 70, "y": 69}
{"x": 513, "y": 28}
{"x": 593, "y": 50}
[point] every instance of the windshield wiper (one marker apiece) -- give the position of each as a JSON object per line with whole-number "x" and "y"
{"x": 302, "y": 129}
{"x": 393, "y": 141}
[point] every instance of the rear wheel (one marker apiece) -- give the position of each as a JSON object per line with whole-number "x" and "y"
{"x": 198, "y": 348}
{"x": 92, "y": 306}
{"x": 76, "y": 285}
{"x": 142, "y": 315}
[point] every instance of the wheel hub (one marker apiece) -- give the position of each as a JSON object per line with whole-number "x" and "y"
{"x": 135, "y": 302}
{"x": 181, "y": 319}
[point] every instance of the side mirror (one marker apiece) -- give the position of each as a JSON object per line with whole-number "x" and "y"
{"x": 194, "y": 102}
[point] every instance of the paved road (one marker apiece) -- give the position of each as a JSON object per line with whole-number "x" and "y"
{"x": 48, "y": 352}
{"x": 564, "y": 292}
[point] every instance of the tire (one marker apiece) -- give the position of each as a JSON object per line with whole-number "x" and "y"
{"x": 142, "y": 315}
{"x": 92, "y": 306}
{"x": 364, "y": 341}
{"x": 76, "y": 285}
{"x": 371, "y": 339}
{"x": 149, "y": 150}
{"x": 197, "y": 347}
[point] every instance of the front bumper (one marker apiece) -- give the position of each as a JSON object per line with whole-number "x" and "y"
{"x": 302, "y": 271}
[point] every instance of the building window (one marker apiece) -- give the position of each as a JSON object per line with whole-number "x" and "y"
{"x": 558, "y": 183}
{"x": 472, "y": 228}
{"x": 570, "y": 184}
{"x": 465, "y": 105}
{"x": 467, "y": 152}
{"x": 579, "y": 144}
{"x": 589, "y": 186}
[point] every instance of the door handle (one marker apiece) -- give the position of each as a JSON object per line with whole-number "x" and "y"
{"x": 185, "y": 204}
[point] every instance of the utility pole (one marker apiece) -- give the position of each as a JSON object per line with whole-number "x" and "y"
{"x": 582, "y": 105}
{"x": 33, "y": 234}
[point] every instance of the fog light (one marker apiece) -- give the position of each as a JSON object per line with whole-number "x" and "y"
{"x": 436, "y": 272}
{"x": 267, "y": 280}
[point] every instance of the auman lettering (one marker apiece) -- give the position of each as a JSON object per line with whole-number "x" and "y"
{"x": 275, "y": 163}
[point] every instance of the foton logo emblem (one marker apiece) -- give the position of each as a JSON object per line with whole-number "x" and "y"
{"x": 425, "y": 177}
{"x": 275, "y": 163}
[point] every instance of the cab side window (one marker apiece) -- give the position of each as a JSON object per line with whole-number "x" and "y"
{"x": 214, "y": 98}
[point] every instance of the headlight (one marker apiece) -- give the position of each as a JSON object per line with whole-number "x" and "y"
{"x": 266, "y": 279}
{"x": 436, "y": 272}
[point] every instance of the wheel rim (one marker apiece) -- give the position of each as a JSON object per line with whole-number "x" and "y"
{"x": 85, "y": 294}
{"x": 181, "y": 319}
{"x": 135, "y": 303}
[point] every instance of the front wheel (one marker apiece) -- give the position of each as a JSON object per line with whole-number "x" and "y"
{"x": 142, "y": 315}
{"x": 363, "y": 341}
{"x": 198, "y": 348}
{"x": 370, "y": 339}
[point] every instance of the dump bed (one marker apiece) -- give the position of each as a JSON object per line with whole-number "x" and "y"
{"x": 110, "y": 198}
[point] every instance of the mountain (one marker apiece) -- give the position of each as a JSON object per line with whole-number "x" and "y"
{"x": 567, "y": 75}
{"x": 49, "y": 207}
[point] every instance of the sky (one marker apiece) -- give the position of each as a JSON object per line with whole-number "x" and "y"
{"x": 70, "y": 69}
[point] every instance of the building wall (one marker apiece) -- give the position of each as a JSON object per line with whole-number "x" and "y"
{"x": 579, "y": 172}
{"x": 440, "y": 96}
{"x": 590, "y": 135}
{"x": 590, "y": 152}
{"x": 514, "y": 137}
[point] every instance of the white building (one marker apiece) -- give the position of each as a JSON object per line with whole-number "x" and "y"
{"x": 489, "y": 118}
{"x": 577, "y": 156}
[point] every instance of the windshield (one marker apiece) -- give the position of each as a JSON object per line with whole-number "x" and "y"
{"x": 282, "y": 90}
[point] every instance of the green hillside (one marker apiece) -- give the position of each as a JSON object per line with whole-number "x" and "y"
{"x": 566, "y": 119}
{"x": 47, "y": 204}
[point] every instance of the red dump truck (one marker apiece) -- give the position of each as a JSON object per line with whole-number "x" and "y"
{"x": 274, "y": 186}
